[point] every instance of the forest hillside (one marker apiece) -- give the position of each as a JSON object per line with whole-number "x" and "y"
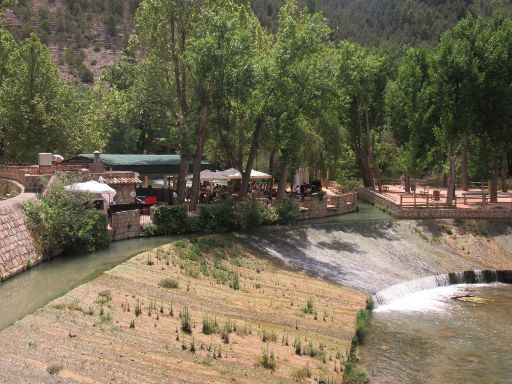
{"x": 86, "y": 35}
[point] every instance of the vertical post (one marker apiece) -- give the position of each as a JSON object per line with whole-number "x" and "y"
{"x": 146, "y": 181}
{"x": 414, "y": 199}
{"x": 401, "y": 200}
{"x": 427, "y": 198}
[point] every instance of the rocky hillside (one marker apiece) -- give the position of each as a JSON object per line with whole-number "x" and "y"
{"x": 87, "y": 35}
{"x": 83, "y": 35}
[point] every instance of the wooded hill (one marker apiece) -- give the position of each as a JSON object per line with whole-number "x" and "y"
{"x": 86, "y": 35}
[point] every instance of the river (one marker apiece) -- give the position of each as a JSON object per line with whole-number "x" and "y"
{"x": 429, "y": 337}
{"x": 32, "y": 289}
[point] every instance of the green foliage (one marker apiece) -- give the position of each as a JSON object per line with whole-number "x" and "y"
{"x": 355, "y": 374}
{"x": 66, "y": 222}
{"x": 309, "y": 308}
{"x": 171, "y": 219}
{"x": 288, "y": 211}
{"x": 362, "y": 320}
{"x": 267, "y": 360}
{"x": 168, "y": 282}
{"x": 210, "y": 325}
{"x": 218, "y": 217}
{"x": 186, "y": 324}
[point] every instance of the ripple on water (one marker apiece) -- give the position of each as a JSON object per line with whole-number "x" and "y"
{"x": 429, "y": 338}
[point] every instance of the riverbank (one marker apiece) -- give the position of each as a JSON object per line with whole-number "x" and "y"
{"x": 254, "y": 307}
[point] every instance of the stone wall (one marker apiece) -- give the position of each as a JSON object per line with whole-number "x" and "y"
{"x": 28, "y": 176}
{"x": 17, "y": 247}
{"x": 314, "y": 208}
{"x": 433, "y": 213}
{"x": 125, "y": 225}
{"x": 124, "y": 193}
{"x": 9, "y": 188}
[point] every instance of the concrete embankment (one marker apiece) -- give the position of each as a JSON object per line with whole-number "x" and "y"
{"x": 372, "y": 256}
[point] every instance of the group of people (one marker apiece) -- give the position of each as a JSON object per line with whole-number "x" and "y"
{"x": 308, "y": 189}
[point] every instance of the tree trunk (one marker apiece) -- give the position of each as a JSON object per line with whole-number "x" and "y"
{"x": 283, "y": 178}
{"x": 371, "y": 161}
{"x": 504, "y": 172}
{"x": 464, "y": 163}
{"x": 246, "y": 176}
{"x": 182, "y": 177}
{"x": 358, "y": 139}
{"x": 493, "y": 189}
{"x": 451, "y": 179}
{"x": 196, "y": 171}
{"x": 407, "y": 185}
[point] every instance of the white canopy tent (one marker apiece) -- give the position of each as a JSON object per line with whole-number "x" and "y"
{"x": 94, "y": 187}
{"x": 233, "y": 174}
{"x": 208, "y": 175}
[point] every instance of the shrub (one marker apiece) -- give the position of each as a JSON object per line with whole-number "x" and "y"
{"x": 355, "y": 375}
{"x": 267, "y": 360}
{"x": 288, "y": 211}
{"x": 350, "y": 185}
{"x": 301, "y": 373}
{"x": 85, "y": 74}
{"x": 210, "y": 325}
{"x": 249, "y": 214}
{"x": 218, "y": 217}
{"x": 171, "y": 219}
{"x": 168, "y": 282}
{"x": 149, "y": 230}
{"x": 186, "y": 325}
{"x": 66, "y": 222}
{"x": 309, "y": 308}
{"x": 269, "y": 215}
{"x": 362, "y": 325}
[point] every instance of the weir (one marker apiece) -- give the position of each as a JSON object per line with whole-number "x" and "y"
{"x": 397, "y": 291}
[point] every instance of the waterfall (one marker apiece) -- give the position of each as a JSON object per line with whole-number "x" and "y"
{"x": 467, "y": 277}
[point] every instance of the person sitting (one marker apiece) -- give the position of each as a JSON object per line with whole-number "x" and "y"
{"x": 297, "y": 190}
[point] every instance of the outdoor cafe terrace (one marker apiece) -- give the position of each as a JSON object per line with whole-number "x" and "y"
{"x": 427, "y": 196}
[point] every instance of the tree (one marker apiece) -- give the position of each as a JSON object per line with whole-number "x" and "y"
{"x": 163, "y": 29}
{"x": 362, "y": 77}
{"x": 455, "y": 81}
{"x": 30, "y": 96}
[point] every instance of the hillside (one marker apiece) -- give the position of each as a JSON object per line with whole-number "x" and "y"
{"x": 87, "y": 35}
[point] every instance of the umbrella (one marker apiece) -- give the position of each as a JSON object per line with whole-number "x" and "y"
{"x": 208, "y": 175}
{"x": 106, "y": 192}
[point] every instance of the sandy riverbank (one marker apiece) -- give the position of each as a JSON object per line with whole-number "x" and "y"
{"x": 85, "y": 336}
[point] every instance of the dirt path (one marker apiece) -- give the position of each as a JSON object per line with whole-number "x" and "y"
{"x": 93, "y": 335}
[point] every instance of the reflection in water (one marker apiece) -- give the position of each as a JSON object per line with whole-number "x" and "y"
{"x": 32, "y": 289}
{"x": 429, "y": 337}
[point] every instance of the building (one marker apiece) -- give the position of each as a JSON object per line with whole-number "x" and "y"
{"x": 151, "y": 168}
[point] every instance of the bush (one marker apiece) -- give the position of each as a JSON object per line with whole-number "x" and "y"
{"x": 85, "y": 74}
{"x": 168, "y": 282}
{"x": 267, "y": 360}
{"x": 65, "y": 222}
{"x": 249, "y": 214}
{"x": 218, "y": 217}
{"x": 288, "y": 211}
{"x": 362, "y": 325}
{"x": 355, "y": 375}
{"x": 171, "y": 219}
{"x": 269, "y": 215}
{"x": 210, "y": 325}
{"x": 350, "y": 185}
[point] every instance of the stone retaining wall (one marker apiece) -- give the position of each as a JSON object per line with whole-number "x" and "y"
{"x": 125, "y": 225}
{"x": 314, "y": 208}
{"x": 17, "y": 247}
{"x": 433, "y": 213}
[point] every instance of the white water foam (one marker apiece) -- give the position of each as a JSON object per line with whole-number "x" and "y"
{"x": 430, "y": 300}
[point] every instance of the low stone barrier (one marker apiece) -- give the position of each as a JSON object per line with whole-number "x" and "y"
{"x": 17, "y": 246}
{"x": 314, "y": 208}
{"x": 433, "y": 213}
{"x": 125, "y": 225}
{"x": 26, "y": 176}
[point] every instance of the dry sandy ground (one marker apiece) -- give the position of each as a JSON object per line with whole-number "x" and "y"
{"x": 69, "y": 341}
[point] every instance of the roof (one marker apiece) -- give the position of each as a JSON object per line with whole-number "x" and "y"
{"x": 142, "y": 164}
{"x": 118, "y": 159}
{"x": 120, "y": 180}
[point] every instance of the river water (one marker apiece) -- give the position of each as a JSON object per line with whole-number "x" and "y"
{"x": 429, "y": 337}
{"x": 32, "y": 289}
